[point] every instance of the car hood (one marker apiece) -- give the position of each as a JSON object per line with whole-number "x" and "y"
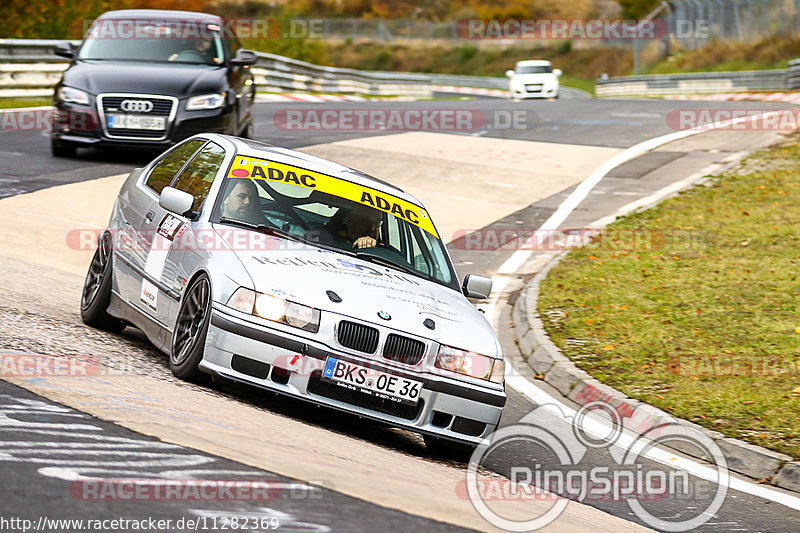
{"x": 305, "y": 274}
{"x": 542, "y": 77}
{"x": 172, "y": 79}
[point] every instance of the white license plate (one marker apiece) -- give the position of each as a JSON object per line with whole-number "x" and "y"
{"x": 371, "y": 381}
{"x": 136, "y": 122}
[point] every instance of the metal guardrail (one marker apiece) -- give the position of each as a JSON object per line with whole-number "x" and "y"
{"x": 30, "y": 68}
{"x": 793, "y": 74}
{"x": 701, "y": 82}
{"x": 494, "y": 82}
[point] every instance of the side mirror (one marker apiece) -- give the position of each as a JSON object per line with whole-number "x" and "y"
{"x": 244, "y": 57}
{"x": 176, "y": 201}
{"x": 65, "y": 49}
{"x": 509, "y": 73}
{"x": 476, "y": 286}
{"x": 557, "y": 71}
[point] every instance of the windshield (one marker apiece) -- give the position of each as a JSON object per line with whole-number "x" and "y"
{"x": 534, "y": 70}
{"x": 335, "y": 213}
{"x": 164, "y": 41}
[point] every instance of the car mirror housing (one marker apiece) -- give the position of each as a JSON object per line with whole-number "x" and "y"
{"x": 65, "y": 49}
{"x": 476, "y": 286}
{"x": 509, "y": 73}
{"x": 244, "y": 57}
{"x": 176, "y": 201}
{"x": 557, "y": 71}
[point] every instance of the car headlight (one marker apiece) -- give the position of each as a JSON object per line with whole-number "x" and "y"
{"x": 205, "y": 101}
{"x": 276, "y": 309}
{"x": 470, "y": 364}
{"x": 75, "y": 96}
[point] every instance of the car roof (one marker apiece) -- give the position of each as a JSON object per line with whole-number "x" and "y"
{"x": 261, "y": 150}
{"x": 533, "y": 63}
{"x": 159, "y": 14}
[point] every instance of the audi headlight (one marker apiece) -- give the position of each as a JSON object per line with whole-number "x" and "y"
{"x": 470, "y": 364}
{"x": 205, "y": 101}
{"x": 75, "y": 96}
{"x": 276, "y": 309}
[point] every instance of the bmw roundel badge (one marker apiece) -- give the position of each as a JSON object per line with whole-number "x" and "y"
{"x": 384, "y": 315}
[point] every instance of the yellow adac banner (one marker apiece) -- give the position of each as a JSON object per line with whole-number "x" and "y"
{"x": 260, "y": 169}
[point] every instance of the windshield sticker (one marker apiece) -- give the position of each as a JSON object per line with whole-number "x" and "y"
{"x": 246, "y": 167}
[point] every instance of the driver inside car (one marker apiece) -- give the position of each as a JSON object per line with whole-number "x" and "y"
{"x": 242, "y": 202}
{"x": 360, "y": 228}
{"x": 201, "y": 51}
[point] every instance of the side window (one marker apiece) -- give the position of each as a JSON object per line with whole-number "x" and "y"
{"x": 170, "y": 164}
{"x": 199, "y": 174}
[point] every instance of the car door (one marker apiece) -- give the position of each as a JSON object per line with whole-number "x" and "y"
{"x": 164, "y": 266}
{"x": 141, "y": 289}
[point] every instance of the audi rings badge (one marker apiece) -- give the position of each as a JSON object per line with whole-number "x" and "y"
{"x": 136, "y": 106}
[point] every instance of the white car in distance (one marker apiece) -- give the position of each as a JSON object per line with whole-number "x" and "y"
{"x": 533, "y": 78}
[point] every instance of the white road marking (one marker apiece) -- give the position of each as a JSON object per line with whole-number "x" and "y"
{"x": 600, "y": 428}
{"x": 518, "y": 258}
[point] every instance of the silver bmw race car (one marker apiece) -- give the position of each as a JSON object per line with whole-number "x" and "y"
{"x": 269, "y": 267}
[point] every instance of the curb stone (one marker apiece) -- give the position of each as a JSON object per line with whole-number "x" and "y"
{"x": 789, "y": 477}
{"x": 546, "y": 359}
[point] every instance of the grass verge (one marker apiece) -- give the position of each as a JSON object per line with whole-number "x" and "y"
{"x": 692, "y": 306}
{"x": 10, "y": 103}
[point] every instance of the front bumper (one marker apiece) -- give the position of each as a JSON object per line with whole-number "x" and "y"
{"x": 80, "y": 126}
{"x": 250, "y": 353}
{"x": 534, "y": 92}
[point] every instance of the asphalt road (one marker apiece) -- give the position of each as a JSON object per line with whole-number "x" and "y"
{"x": 26, "y": 165}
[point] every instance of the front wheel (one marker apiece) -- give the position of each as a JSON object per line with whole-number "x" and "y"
{"x": 60, "y": 149}
{"x": 191, "y": 328}
{"x": 96, "y": 294}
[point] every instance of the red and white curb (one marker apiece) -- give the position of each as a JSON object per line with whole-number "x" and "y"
{"x": 793, "y": 98}
{"x": 498, "y": 93}
{"x": 311, "y": 98}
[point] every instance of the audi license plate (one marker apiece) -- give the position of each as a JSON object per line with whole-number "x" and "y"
{"x": 136, "y": 122}
{"x": 373, "y": 382}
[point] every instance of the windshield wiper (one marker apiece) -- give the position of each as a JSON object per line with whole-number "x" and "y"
{"x": 264, "y": 228}
{"x": 366, "y": 256}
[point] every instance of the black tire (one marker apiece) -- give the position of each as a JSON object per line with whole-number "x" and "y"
{"x": 60, "y": 149}
{"x": 449, "y": 449}
{"x": 191, "y": 328}
{"x": 96, "y": 293}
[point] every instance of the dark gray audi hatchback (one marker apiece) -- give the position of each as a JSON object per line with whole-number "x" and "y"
{"x": 151, "y": 78}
